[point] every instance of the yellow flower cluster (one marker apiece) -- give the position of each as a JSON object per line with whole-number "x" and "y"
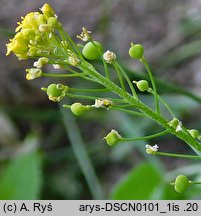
{"x": 33, "y": 33}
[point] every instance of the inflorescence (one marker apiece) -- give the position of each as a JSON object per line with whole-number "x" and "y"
{"x": 40, "y": 36}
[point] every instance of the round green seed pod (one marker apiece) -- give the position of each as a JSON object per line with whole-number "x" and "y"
{"x": 142, "y": 85}
{"x": 90, "y": 51}
{"x": 78, "y": 109}
{"x": 113, "y": 138}
{"x": 181, "y": 183}
{"x": 136, "y": 51}
{"x": 53, "y": 91}
{"x": 194, "y": 133}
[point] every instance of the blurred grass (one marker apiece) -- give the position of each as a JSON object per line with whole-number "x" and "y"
{"x": 81, "y": 154}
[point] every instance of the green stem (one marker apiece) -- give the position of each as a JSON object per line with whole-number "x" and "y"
{"x": 70, "y": 69}
{"x": 144, "y": 61}
{"x": 66, "y": 36}
{"x": 166, "y": 85}
{"x": 127, "y": 79}
{"x": 128, "y": 111}
{"x": 85, "y": 66}
{"x": 91, "y": 97}
{"x": 146, "y": 137}
{"x": 178, "y": 155}
{"x": 63, "y": 75}
{"x": 163, "y": 102}
{"x": 166, "y": 105}
{"x": 190, "y": 182}
{"x": 103, "y": 61}
{"x": 89, "y": 90}
{"x": 105, "y": 68}
{"x": 120, "y": 77}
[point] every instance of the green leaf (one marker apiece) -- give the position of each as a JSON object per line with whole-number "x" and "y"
{"x": 22, "y": 177}
{"x": 138, "y": 184}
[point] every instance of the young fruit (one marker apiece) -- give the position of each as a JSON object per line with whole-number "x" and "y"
{"x": 136, "y": 51}
{"x": 181, "y": 183}
{"x": 53, "y": 91}
{"x": 113, "y": 138}
{"x": 90, "y": 50}
{"x": 78, "y": 109}
{"x": 142, "y": 85}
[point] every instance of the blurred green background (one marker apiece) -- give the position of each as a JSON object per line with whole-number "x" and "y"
{"x": 46, "y": 153}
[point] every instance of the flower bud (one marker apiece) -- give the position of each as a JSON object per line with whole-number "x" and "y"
{"x": 136, "y": 51}
{"x": 45, "y": 28}
{"x": 52, "y": 21}
{"x": 109, "y": 56}
{"x": 41, "y": 19}
{"x": 90, "y": 50}
{"x": 28, "y": 32}
{"x": 113, "y": 138}
{"x": 181, "y": 183}
{"x": 34, "y": 51}
{"x": 78, "y": 109}
{"x": 194, "y": 133}
{"x": 142, "y": 85}
{"x": 47, "y": 10}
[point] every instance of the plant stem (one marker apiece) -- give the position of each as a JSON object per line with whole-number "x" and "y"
{"x": 120, "y": 77}
{"x": 190, "y": 182}
{"x": 127, "y": 79}
{"x": 103, "y": 61}
{"x": 166, "y": 85}
{"x": 128, "y": 111}
{"x": 166, "y": 105}
{"x": 146, "y": 137}
{"x": 89, "y": 90}
{"x": 85, "y": 66}
{"x": 66, "y": 37}
{"x": 144, "y": 61}
{"x": 178, "y": 155}
{"x": 163, "y": 102}
{"x": 63, "y": 75}
{"x": 91, "y": 97}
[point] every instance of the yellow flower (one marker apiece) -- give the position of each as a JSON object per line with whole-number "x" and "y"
{"x": 18, "y": 45}
{"x": 29, "y": 21}
{"x": 34, "y": 33}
